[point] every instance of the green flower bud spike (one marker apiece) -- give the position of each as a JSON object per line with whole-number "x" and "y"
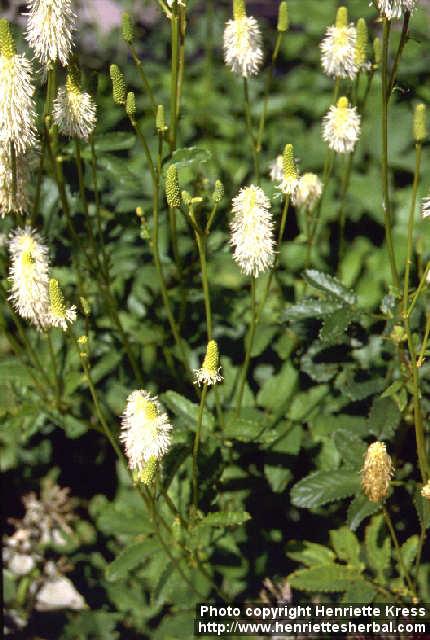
{"x": 420, "y": 124}
{"x": 283, "y": 22}
{"x": 127, "y": 28}
{"x": 186, "y": 198}
{"x": 119, "y": 88}
{"x": 173, "y": 191}
{"x": 130, "y": 105}
{"x": 377, "y": 52}
{"x": 218, "y": 193}
{"x": 7, "y": 43}
{"x": 146, "y": 475}
{"x": 362, "y": 43}
{"x": 342, "y": 17}
{"x": 288, "y": 163}
{"x": 56, "y": 298}
{"x": 85, "y": 306}
{"x": 239, "y": 9}
{"x": 343, "y": 103}
{"x": 160, "y": 122}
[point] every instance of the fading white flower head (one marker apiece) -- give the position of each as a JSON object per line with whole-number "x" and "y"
{"x": 145, "y": 430}
{"x": 58, "y": 314}
{"x": 425, "y": 491}
{"x": 425, "y": 207}
{"x": 338, "y": 48}
{"x": 243, "y": 51}
{"x": 252, "y": 231}
{"x": 341, "y": 127}
{"x": 17, "y": 110}
{"x": 276, "y": 169}
{"x": 209, "y": 373}
{"x": 308, "y": 191}
{"x": 74, "y": 111}
{"x": 170, "y": 3}
{"x": 50, "y": 29}
{"x": 290, "y": 177}
{"x": 11, "y": 202}
{"x": 29, "y": 276}
{"x": 395, "y": 8}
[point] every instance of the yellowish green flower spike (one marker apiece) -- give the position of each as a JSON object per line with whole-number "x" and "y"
{"x": 209, "y": 373}
{"x": 420, "y": 124}
{"x": 160, "y": 122}
{"x": 7, "y": 44}
{"x": 173, "y": 191}
{"x": 283, "y": 22}
{"x": 377, "y": 52}
{"x": 343, "y": 103}
{"x": 362, "y": 43}
{"x": 127, "y": 28}
{"x": 85, "y": 306}
{"x": 288, "y": 163}
{"x": 130, "y": 104}
{"x": 218, "y": 193}
{"x": 186, "y": 198}
{"x": 342, "y": 17}
{"x": 239, "y": 9}
{"x": 147, "y": 473}
{"x": 119, "y": 88}
{"x": 59, "y": 315}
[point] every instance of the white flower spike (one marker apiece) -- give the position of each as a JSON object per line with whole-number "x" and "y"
{"x": 252, "y": 231}
{"x": 74, "y": 111}
{"x": 209, "y": 373}
{"x": 341, "y": 127}
{"x": 393, "y": 9}
{"x": 243, "y": 51}
{"x": 338, "y": 48}
{"x": 308, "y": 191}
{"x": 50, "y": 29}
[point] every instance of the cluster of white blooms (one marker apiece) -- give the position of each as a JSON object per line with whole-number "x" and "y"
{"x": 243, "y": 51}
{"x": 209, "y": 373}
{"x": 395, "y": 8}
{"x": 338, "y": 49}
{"x": 308, "y": 191}
{"x": 74, "y": 111}
{"x": 50, "y": 29}
{"x": 145, "y": 433}
{"x": 34, "y": 296}
{"x": 252, "y": 231}
{"x": 290, "y": 177}
{"x": 341, "y": 126}
{"x": 305, "y": 190}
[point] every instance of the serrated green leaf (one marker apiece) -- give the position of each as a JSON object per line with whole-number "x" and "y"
{"x": 346, "y": 546}
{"x": 224, "y": 519}
{"x": 277, "y": 389}
{"x": 330, "y": 285}
{"x": 322, "y": 487}
{"x": 312, "y": 554}
{"x": 277, "y": 477}
{"x": 311, "y": 308}
{"x": 409, "y": 550}
{"x": 335, "y": 325}
{"x": 359, "y": 509}
{"x": 318, "y": 371}
{"x": 384, "y": 418}
{"x": 378, "y": 555}
{"x": 185, "y": 409}
{"x": 423, "y": 509}
{"x": 12, "y": 370}
{"x": 114, "y": 141}
{"x": 303, "y": 403}
{"x": 361, "y": 592}
{"x": 350, "y": 447}
{"x": 186, "y": 157}
{"x": 326, "y": 578}
{"x": 263, "y": 337}
{"x": 129, "y": 558}
{"x": 243, "y": 429}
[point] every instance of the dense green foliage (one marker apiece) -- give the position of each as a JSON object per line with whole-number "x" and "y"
{"x": 330, "y": 368}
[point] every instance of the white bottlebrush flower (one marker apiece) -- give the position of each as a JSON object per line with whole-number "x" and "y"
{"x": 425, "y": 491}
{"x": 308, "y": 191}
{"x": 170, "y": 3}
{"x": 58, "y": 592}
{"x": 276, "y": 169}
{"x": 243, "y": 51}
{"x": 338, "y": 48}
{"x": 341, "y": 127}
{"x": 29, "y": 276}
{"x": 74, "y": 111}
{"x": 17, "y": 111}
{"x": 145, "y": 430}
{"x": 395, "y": 8}
{"x": 252, "y": 231}
{"x": 59, "y": 315}
{"x": 209, "y": 373}
{"x": 425, "y": 207}
{"x": 50, "y": 29}
{"x": 11, "y": 202}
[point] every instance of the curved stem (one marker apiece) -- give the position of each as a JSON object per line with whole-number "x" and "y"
{"x": 139, "y": 66}
{"x": 402, "y": 43}
{"x": 250, "y": 130}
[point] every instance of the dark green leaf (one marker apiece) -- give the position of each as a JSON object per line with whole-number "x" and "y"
{"x": 322, "y": 487}
{"x": 330, "y": 286}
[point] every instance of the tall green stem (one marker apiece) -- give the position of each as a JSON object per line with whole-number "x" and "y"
{"x": 386, "y": 204}
{"x": 249, "y": 343}
{"x": 411, "y": 222}
{"x": 196, "y": 447}
{"x": 174, "y": 79}
{"x": 267, "y": 86}
{"x": 250, "y": 131}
